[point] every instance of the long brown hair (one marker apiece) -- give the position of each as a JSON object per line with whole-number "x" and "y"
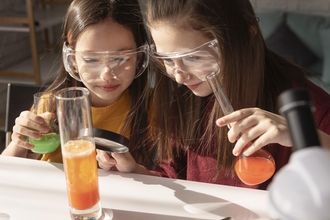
{"x": 81, "y": 15}
{"x": 251, "y": 74}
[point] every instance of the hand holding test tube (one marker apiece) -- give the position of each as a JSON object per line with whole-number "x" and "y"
{"x": 253, "y": 169}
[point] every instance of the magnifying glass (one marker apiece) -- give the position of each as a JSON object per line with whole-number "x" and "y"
{"x": 108, "y": 141}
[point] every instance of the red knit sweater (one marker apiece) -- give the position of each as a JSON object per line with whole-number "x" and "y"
{"x": 195, "y": 166}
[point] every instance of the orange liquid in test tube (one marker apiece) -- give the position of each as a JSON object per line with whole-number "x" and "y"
{"x": 82, "y": 177}
{"x": 254, "y": 170}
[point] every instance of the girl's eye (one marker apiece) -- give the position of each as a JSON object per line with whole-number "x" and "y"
{"x": 122, "y": 59}
{"x": 168, "y": 61}
{"x": 90, "y": 60}
{"x": 191, "y": 58}
{"x": 119, "y": 59}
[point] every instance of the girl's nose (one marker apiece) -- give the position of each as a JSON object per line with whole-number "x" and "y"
{"x": 180, "y": 75}
{"x": 107, "y": 73}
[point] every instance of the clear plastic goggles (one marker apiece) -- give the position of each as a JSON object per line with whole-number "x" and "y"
{"x": 201, "y": 61}
{"x": 87, "y": 66}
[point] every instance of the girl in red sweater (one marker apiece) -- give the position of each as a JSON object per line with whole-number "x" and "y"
{"x": 194, "y": 142}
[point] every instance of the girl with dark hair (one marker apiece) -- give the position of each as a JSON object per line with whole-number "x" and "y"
{"x": 105, "y": 49}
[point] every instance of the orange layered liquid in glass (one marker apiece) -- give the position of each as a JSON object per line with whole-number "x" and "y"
{"x": 254, "y": 170}
{"x": 79, "y": 160}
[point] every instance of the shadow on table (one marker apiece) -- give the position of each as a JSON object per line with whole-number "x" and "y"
{"x": 197, "y": 203}
{"x": 124, "y": 215}
{"x": 58, "y": 165}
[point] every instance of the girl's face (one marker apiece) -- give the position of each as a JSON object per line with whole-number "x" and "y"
{"x": 98, "y": 73}
{"x": 169, "y": 39}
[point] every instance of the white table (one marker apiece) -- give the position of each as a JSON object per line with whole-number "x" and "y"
{"x": 31, "y": 189}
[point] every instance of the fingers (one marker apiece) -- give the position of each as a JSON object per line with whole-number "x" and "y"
{"x": 250, "y": 141}
{"x": 48, "y": 116}
{"x": 30, "y": 125}
{"x": 254, "y": 128}
{"x": 21, "y": 141}
{"x": 123, "y": 162}
{"x": 232, "y": 118}
{"x": 257, "y": 138}
{"x": 27, "y": 125}
{"x": 104, "y": 160}
{"x": 29, "y": 120}
{"x": 32, "y": 116}
{"x": 19, "y": 130}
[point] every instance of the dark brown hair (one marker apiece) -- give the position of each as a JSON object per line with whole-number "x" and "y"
{"x": 251, "y": 74}
{"x": 81, "y": 15}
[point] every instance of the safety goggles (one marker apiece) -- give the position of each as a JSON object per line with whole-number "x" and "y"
{"x": 83, "y": 65}
{"x": 201, "y": 61}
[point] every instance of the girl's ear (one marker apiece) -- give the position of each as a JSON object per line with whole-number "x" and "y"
{"x": 69, "y": 37}
{"x": 253, "y": 31}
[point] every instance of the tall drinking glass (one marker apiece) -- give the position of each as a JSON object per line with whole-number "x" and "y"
{"x": 78, "y": 150}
